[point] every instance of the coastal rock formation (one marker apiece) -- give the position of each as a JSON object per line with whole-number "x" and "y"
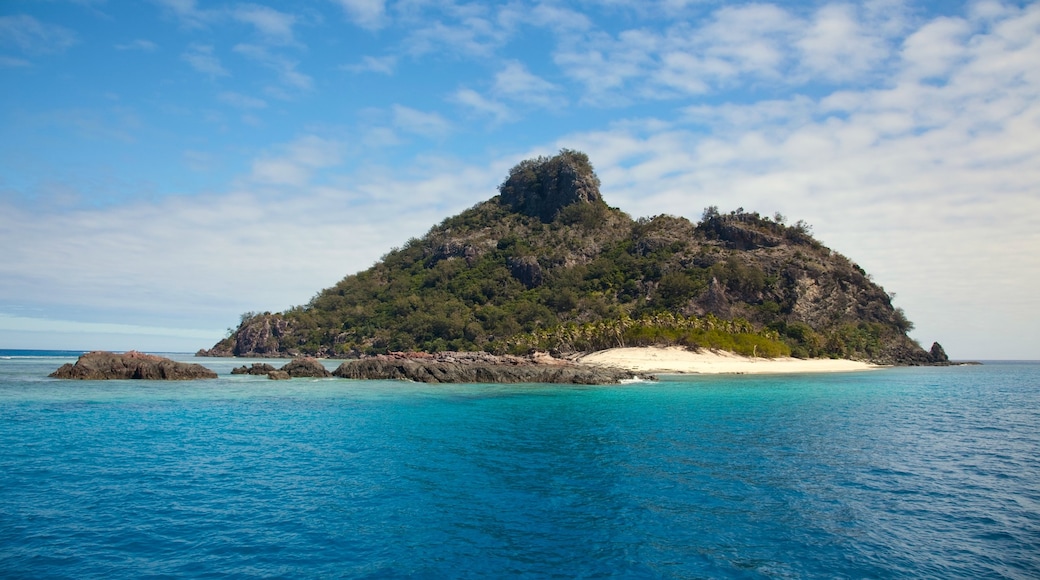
{"x": 261, "y": 369}
{"x": 102, "y": 365}
{"x": 938, "y": 354}
{"x": 299, "y": 367}
{"x": 306, "y": 367}
{"x": 453, "y": 367}
{"x": 261, "y": 338}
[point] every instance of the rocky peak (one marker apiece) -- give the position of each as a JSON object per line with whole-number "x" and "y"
{"x": 938, "y": 354}
{"x": 542, "y": 187}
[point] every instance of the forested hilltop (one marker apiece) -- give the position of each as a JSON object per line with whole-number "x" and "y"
{"x": 548, "y": 265}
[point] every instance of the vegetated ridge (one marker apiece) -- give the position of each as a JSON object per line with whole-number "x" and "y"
{"x": 548, "y": 265}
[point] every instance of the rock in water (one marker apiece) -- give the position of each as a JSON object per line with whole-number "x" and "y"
{"x": 306, "y": 367}
{"x": 260, "y": 369}
{"x": 102, "y": 365}
{"x": 454, "y": 367}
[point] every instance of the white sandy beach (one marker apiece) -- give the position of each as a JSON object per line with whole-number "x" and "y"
{"x": 678, "y": 360}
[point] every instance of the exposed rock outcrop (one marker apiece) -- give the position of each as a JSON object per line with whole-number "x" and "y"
{"x": 259, "y": 336}
{"x": 542, "y": 187}
{"x": 477, "y": 367}
{"x": 306, "y": 367}
{"x": 938, "y": 354}
{"x": 102, "y": 365}
{"x": 715, "y": 301}
{"x": 261, "y": 369}
{"x": 299, "y": 367}
{"x": 526, "y": 270}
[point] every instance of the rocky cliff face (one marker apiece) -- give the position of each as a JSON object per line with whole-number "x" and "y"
{"x": 548, "y": 251}
{"x": 260, "y": 335}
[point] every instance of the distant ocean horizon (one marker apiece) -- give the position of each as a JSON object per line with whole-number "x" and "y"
{"x": 895, "y": 473}
{"x": 58, "y": 353}
{"x": 25, "y": 352}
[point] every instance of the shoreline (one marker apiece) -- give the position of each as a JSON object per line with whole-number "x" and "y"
{"x": 678, "y": 360}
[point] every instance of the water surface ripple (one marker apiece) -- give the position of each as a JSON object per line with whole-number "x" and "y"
{"x": 899, "y": 473}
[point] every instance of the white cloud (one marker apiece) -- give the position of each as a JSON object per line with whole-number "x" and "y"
{"x": 838, "y": 47}
{"x": 684, "y": 72}
{"x": 605, "y": 65}
{"x": 473, "y": 34}
{"x": 935, "y": 48}
{"x": 283, "y": 66}
{"x": 985, "y": 10}
{"x": 748, "y": 39}
{"x": 296, "y": 162}
{"x": 202, "y": 59}
{"x": 188, "y": 12}
{"x": 34, "y": 37}
{"x": 275, "y": 27}
{"x": 560, "y": 20}
{"x": 365, "y": 13}
{"x": 890, "y": 18}
{"x": 748, "y": 45}
{"x": 482, "y": 105}
{"x": 382, "y": 65}
{"x": 419, "y": 122}
{"x": 517, "y": 83}
{"x": 645, "y": 64}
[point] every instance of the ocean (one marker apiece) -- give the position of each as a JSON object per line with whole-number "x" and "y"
{"x": 895, "y": 473}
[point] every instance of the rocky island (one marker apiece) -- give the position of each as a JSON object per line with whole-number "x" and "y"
{"x": 103, "y": 365}
{"x": 547, "y": 265}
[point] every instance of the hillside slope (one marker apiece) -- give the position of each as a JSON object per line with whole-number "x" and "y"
{"x": 548, "y": 264}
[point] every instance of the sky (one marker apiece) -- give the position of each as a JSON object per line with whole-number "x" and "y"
{"x": 167, "y": 165}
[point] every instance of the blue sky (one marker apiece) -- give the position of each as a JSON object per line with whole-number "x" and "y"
{"x": 168, "y": 165}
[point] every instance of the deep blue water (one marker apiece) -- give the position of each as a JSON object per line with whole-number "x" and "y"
{"x": 898, "y": 473}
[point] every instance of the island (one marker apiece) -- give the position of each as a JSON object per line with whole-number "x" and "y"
{"x": 547, "y": 266}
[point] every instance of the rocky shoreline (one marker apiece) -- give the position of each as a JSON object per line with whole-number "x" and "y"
{"x": 606, "y": 367}
{"x": 443, "y": 367}
{"x": 479, "y": 367}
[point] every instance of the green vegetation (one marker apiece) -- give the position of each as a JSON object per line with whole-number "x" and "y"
{"x": 556, "y": 268}
{"x": 661, "y": 329}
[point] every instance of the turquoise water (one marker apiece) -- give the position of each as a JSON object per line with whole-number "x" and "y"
{"x": 899, "y": 473}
